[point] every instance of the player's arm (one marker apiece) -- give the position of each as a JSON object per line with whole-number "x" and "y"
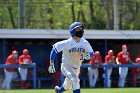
{"x": 106, "y": 59}
{"x": 57, "y": 47}
{"x": 52, "y": 58}
{"x": 89, "y": 51}
{"x": 118, "y": 60}
{"x": 88, "y": 55}
{"x": 91, "y": 54}
{"x": 21, "y": 61}
{"x": 130, "y": 61}
{"x": 8, "y": 61}
{"x": 30, "y": 60}
{"x": 100, "y": 61}
{"x": 113, "y": 59}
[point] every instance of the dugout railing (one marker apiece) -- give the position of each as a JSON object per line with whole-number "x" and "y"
{"x": 24, "y": 66}
{"x": 106, "y": 66}
{"x": 35, "y": 78}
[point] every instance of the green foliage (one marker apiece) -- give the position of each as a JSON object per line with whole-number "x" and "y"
{"x": 59, "y": 14}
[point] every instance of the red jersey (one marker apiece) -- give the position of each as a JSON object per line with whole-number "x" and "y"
{"x": 109, "y": 59}
{"x": 96, "y": 59}
{"x": 25, "y": 59}
{"x": 137, "y": 58}
{"x": 123, "y": 57}
{"x": 136, "y": 70}
{"x": 12, "y": 61}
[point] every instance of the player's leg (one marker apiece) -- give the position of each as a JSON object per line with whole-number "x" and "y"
{"x": 95, "y": 73}
{"x": 76, "y": 81}
{"x": 8, "y": 79}
{"x": 67, "y": 83}
{"x": 4, "y": 82}
{"x": 23, "y": 74}
{"x": 120, "y": 77}
{"x": 108, "y": 77}
{"x": 134, "y": 80}
{"x": 90, "y": 76}
{"x": 72, "y": 74}
{"x": 123, "y": 73}
{"x": 24, "y": 77}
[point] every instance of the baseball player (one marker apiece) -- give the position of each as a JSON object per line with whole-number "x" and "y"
{"x": 136, "y": 72}
{"x": 123, "y": 57}
{"x": 24, "y": 59}
{"x": 74, "y": 51}
{"x": 93, "y": 71}
{"x": 11, "y": 60}
{"x": 109, "y": 59}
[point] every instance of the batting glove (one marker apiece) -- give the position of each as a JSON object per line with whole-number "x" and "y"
{"x": 86, "y": 56}
{"x": 51, "y": 68}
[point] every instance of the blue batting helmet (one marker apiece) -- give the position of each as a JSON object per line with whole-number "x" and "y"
{"x": 73, "y": 26}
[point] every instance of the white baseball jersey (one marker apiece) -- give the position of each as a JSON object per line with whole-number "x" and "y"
{"x": 72, "y": 51}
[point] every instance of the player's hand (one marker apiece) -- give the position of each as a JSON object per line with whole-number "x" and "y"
{"x": 51, "y": 68}
{"x": 25, "y": 63}
{"x": 86, "y": 56}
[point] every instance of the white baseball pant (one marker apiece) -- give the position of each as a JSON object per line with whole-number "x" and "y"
{"x": 92, "y": 72}
{"x": 72, "y": 80}
{"x": 7, "y": 80}
{"x": 123, "y": 73}
{"x": 109, "y": 71}
{"x": 23, "y": 73}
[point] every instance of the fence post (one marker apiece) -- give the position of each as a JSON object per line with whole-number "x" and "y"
{"x": 34, "y": 76}
{"x": 106, "y": 76}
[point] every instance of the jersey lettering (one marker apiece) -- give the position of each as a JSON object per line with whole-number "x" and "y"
{"x": 76, "y": 49}
{"x": 125, "y": 56}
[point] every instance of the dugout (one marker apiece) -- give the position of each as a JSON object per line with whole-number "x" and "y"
{"x": 39, "y": 42}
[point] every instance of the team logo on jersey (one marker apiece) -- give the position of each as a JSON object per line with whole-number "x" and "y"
{"x": 76, "y": 49}
{"x": 125, "y": 56}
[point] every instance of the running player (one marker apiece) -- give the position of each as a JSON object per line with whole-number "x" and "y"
{"x": 75, "y": 50}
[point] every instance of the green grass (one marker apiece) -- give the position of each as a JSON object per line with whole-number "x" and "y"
{"x": 98, "y": 90}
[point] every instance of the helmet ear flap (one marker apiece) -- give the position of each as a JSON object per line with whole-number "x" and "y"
{"x": 73, "y": 32}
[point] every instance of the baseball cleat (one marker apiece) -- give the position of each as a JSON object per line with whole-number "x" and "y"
{"x": 56, "y": 89}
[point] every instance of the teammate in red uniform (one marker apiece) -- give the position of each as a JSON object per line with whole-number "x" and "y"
{"x": 24, "y": 59}
{"x": 136, "y": 72}
{"x": 109, "y": 59}
{"x": 123, "y": 57}
{"x": 93, "y": 71}
{"x": 11, "y": 60}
